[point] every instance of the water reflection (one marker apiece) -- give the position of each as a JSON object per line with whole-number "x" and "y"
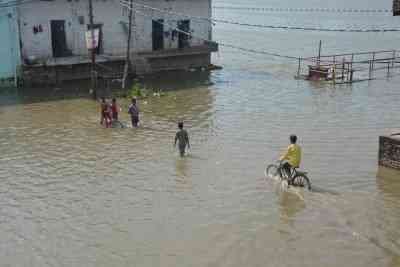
{"x": 173, "y": 80}
{"x": 291, "y": 204}
{"x": 388, "y": 183}
{"x": 395, "y": 262}
{"x": 182, "y": 168}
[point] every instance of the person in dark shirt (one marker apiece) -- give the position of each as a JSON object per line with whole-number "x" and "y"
{"x": 182, "y": 138}
{"x": 133, "y": 110}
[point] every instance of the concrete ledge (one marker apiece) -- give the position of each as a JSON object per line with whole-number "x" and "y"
{"x": 389, "y": 151}
{"x": 58, "y": 70}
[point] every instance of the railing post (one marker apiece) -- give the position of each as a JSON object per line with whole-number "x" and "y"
{"x": 298, "y": 69}
{"x": 373, "y": 61}
{"x": 351, "y": 75}
{"x": 370, "y": 70}
{"x": 334, "y": 70}
{"x": 343, "y": 69}
{"x": 394, "y": 58}
{"x": 334, "y": 73}
{"x": 351, "y": 68}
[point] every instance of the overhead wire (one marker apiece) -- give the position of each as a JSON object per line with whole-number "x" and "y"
{"x": 282, "y": 27}
{"x": 311, "y": 9}
{"x": 215, "y": 42}
{"x": 15, "y": 3}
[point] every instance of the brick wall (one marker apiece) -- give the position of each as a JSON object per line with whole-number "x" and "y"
{"x": 389, "y": 152}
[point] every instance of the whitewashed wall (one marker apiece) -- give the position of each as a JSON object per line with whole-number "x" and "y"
{"x": 109, "y": 13}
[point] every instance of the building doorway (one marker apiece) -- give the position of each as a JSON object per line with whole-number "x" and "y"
{"x": 158, "y": 34}
{"x": 99, "y": 50}
{"x": 58, "y": 38}
{"x": 183, "y": 39}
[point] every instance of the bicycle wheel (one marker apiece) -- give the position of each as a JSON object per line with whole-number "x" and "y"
{"x": 272, "y": 171}
{"x": 301, "y": 180}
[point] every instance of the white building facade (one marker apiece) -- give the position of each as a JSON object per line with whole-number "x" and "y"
{"x": 55, "y": 29}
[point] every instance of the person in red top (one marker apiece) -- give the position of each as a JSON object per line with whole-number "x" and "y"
{"x": 114, "y": 109}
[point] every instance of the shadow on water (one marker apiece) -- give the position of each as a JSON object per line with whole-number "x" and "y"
{"x": 182, "y": 168}
{"x": 171, "y": 80}
{"x": 290, "y": 205}
{"x": 388, "y": 183}
{"x": 29, "y": 95}
{"x": 317, "y": 189}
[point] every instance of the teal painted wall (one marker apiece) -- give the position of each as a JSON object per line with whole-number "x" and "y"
{"x": 9, "y": 48}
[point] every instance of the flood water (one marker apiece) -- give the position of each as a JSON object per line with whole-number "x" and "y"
{"x": 75, "y": 194}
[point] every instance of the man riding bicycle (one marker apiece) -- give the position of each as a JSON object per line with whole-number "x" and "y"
{"x": 292, "y": 157}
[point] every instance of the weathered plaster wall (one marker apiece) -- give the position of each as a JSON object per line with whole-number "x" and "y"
{"x": 9, "y": 48}
{"x": 110, "y": 14}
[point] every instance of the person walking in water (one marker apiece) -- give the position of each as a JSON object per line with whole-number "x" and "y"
{"x": 103, "y": 108}
{"x": 182, "y": 138}
{"x": 114, "y": 109}
{"x": 105, "y": 113}
{"x": 292, "y": 156}
{"x": 133, "y": 110}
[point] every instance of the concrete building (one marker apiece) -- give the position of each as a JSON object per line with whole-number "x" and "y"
{"x": 54, "y": 44}
{"x": 9, "y": 48}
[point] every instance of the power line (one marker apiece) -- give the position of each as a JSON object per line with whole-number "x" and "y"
{"x": 360, "y": 30}
{"x": 167, "y": 11}
{"x": 15, "y": 3}
{"x": 304, "y": 10}
{"x": 214, "y": 42}
{"x": 282, "y": 27}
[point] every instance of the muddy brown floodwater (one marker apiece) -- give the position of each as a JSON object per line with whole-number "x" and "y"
{"x": 75, "y": 194}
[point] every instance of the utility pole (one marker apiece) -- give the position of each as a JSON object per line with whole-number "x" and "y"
{"x": 92, "y": 51}
{"x": 128, "y": 49}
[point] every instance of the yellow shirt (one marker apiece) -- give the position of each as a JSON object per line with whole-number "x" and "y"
{"x": 293, "y": 155}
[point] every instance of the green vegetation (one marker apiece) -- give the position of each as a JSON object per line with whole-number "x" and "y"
{"x": 138, "y": 91}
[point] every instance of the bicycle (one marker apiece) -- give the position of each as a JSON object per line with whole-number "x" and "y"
{"x": 296, "y": 177}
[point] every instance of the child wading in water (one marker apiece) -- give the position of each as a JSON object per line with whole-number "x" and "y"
{"x": 182, "y": 138}
{"x": 133, "y": 110}
{"x": 114, "y": 109}
{"x": 105, "y": 113}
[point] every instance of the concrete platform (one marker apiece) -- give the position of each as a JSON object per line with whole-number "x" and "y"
{"x": 57, "y": 70}
{"x": 389, "y": 150}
